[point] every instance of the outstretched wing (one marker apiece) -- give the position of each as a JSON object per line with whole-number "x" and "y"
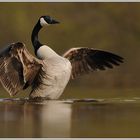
{"x": 19, "y": 69}
{"x": 84, "y": 60}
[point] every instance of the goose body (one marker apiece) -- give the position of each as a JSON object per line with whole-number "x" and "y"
{"x": 48, "y": 73}
{"x": 58, "y": 71}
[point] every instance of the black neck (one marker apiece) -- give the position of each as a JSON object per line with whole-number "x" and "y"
{"x": 34, "y": 37}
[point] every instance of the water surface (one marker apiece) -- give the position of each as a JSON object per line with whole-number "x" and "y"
{"x": 70, "y": 118}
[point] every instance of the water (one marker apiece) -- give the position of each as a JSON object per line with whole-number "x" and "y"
{"x": 70, "y": 118}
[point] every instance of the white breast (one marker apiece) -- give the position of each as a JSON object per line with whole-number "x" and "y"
{"x": 45, "y": 52}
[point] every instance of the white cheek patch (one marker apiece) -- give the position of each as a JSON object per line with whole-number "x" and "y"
{"x": 43, "y": 22}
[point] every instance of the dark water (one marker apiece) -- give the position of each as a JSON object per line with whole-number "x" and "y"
{"x": 70, "y": 118}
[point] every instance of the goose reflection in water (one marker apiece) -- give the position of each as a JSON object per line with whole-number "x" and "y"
{"x": 46, "y": 119}
{"x": 60, "y": 119}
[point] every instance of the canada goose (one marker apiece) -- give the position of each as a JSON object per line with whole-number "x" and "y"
{"x": 49, "y": 73}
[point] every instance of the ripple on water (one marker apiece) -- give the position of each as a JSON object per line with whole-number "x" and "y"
{"x": 71, "y": 101}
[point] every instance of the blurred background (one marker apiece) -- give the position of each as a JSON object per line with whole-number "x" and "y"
{"x": 113, "y": 27}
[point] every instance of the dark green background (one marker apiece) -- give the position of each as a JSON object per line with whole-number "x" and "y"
{"x": 109, "y": 26}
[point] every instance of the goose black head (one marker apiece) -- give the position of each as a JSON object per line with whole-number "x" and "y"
{"x": 47, "y": 20}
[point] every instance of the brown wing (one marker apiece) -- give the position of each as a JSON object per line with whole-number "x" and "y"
{"x": 84, "y": 60}
{"x": 18, "y": 68}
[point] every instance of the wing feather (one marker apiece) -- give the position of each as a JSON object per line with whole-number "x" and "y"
{"x": 18, "y": 68}
{"x": 86, "y": 60}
